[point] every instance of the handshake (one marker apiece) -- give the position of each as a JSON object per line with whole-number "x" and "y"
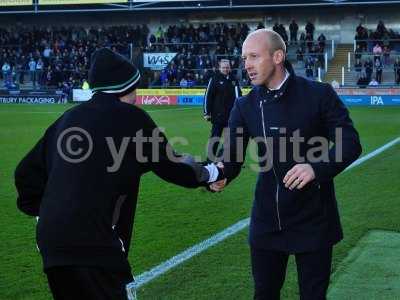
{"x": 217, "y": 179}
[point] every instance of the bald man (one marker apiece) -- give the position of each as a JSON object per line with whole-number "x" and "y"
{"x": 292, "y": 120}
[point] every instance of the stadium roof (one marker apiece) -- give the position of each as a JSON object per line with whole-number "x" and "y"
{"x": 40, "y": 6}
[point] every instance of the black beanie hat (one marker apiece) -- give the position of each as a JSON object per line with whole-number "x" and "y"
{"x": 111, "y": 73}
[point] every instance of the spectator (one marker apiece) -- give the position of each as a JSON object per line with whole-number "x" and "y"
{"x": 39, "y": 72}
{"x": 322, "y": 42}
{"x": 183, "y": 83}
{"x": 310, "y": 28}
{"x": 6, "y": 70}
{"x": 303, "y": 41}
{"x": 32, "y": 70}
{"x": 377, "y": 51}
{"x": 20, "y": 69}
{"x": 381, "y": 29}
{"x": 386, "y": 55}
{"x": 164, "y": 78}
{"x": 282, "y": 32}
{"x": 358, "y": 52}
{"x": 374, "y": 82}
{"x": 309, "y": 42}
{"x": 368, "y": 65}
{"x": 293, "y": 28}
{"x": 396, "y": 67}
{"x": 309, "y": 71}
{"x": 299, "y": 54}
{"x": 358, "y": 67}
{"x": 378, "y": 69}
{"x": 360, "y": 29}
{"x": 363, "y": 81}
{"x": 335, "y": 84}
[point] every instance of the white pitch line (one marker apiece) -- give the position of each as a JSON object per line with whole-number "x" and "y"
{"x": 187, "y": 254}
{"x": 60, "y": 112}
{"x": 373, "y": 153}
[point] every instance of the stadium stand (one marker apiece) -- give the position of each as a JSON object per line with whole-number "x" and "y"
{"x": 375, "y": 56}
{"x": 59, "y": 57}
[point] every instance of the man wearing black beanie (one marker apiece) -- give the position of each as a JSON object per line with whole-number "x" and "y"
{"x": 82, "y": 179}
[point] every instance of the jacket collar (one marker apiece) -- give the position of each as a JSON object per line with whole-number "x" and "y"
{"x": 274, "y": 95}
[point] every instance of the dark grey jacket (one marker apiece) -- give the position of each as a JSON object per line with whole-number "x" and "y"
{"x": 298, "y": 220}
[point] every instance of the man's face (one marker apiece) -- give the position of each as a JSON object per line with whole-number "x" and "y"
{"x": 258, "y": 62}
{"x": 224, "y": 67}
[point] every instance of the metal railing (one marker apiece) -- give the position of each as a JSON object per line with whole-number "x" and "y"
{"x": 387, "y": 60}
{"x": 370, "y": 43}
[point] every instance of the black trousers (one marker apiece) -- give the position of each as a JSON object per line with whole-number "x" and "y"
{"x": 74, "y": 282}
{"x": 214, "y": 141}
{"x": 269, "y": 270}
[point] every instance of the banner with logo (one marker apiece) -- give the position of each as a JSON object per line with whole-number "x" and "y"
{"x": 157, "y": 61}
{"x": 31, "y": 99}
{"x": 373, "y": 100}
{"x": 367, "y": 91}
{"x": 79, "y": 95}
{"x": 190, "y": 100}
{"x": 65, "y": 2}
{"x": 15, "y": 2}
{"x": 156, "y": 100}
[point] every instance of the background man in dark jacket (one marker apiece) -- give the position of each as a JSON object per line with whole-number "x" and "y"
{"x": 293, "y": 28}
{"x": 82, "y": 180}
{"x": 222, "y": 90}
{"x": 295, "y": 209}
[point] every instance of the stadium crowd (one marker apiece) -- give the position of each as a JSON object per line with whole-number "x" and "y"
{"x": 199, "y": 48}
{"x": 374, "y": 52}
{"x": 59, "y": 56}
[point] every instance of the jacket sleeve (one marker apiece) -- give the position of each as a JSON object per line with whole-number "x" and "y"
{"x": 209, "y": 97}
{"x": 162, "y": 159}
{"x": 340, "y": 131}
{"x": 235, "y": 144}
{"x": 30, "y": 179}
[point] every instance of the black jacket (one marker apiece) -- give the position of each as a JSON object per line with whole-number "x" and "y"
{"x": 87, "y": 209}
{"x": 220, "y": 95}
{"x": 281, "y": 219}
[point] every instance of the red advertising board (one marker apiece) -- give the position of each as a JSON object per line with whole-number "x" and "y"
{"x": 156, "y": 100}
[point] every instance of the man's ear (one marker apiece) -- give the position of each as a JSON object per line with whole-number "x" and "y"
{"x": 278, "y": 57}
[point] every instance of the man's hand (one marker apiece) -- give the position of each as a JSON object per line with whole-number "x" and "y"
{"x": 207, "y": 117}
{"x": 219, "y": 185}
{"x": 299, "y": 176}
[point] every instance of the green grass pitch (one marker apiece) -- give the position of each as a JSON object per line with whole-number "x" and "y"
{"x": 170, "y": 219}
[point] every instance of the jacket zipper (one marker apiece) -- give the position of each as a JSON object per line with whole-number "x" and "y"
{"x": 273, "y": 168}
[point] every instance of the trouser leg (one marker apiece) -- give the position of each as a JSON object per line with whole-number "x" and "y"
{"x": 269, "y": 270}
{"x": 90, "y": 283}
{"x": 314, "y": 270}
